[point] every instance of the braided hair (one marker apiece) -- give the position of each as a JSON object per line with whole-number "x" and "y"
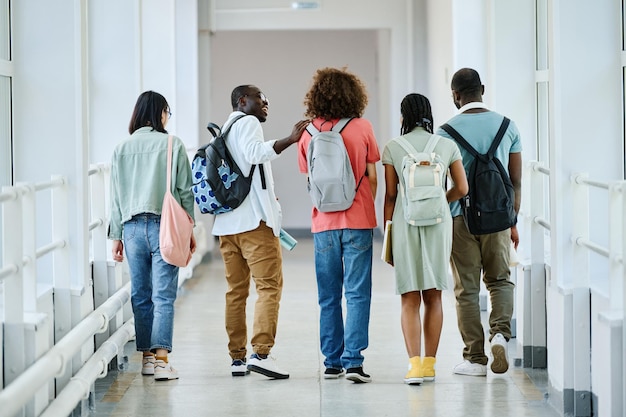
{"x": 416, "y": 111}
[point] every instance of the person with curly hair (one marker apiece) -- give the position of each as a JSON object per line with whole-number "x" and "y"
{"x": 343, "y": 239}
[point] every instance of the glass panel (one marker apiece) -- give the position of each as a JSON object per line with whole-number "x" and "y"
{"x": 5, "y": 131}
{"x": 541, "y": 29}
{"x": 543, "y": 123}
{"x": 623, "y": 25}
{"x": 5, "y": 30}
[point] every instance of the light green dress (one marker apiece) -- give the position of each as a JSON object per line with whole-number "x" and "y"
{"x": 421, "y": 254}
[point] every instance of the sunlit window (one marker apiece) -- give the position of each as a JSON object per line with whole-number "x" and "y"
{"x": 6, "y": 69}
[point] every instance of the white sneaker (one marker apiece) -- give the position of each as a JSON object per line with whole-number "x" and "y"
{"x": 239, "y": 368}
{"x": 472, "y": 369}
{"x": 163, "y": 371}
{"x": 147, "y": 365}
{"x": 266, "y": 366}
{"x": 500, "y": 363}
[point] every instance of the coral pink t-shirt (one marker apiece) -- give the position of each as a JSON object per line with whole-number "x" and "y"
{"x": 362, "y": 148}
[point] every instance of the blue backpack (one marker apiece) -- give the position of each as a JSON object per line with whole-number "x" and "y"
{"x": 219, "y": 186}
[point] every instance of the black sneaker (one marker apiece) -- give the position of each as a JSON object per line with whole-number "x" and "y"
{"x": 357, "y": 375}
{"x": 334, "y": 373}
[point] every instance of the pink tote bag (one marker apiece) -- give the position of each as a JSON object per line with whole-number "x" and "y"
{"x": 176, "y": 223}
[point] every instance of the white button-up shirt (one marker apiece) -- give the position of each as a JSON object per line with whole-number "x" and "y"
{"x": 248, "y": 147}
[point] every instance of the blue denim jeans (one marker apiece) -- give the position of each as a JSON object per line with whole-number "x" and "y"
{"x": 154, "y": 283}
{"x": 343, "y": 260}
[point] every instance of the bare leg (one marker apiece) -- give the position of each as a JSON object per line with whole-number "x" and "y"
{"x": 433, "y": 321}
{"x": 411, "y": 322}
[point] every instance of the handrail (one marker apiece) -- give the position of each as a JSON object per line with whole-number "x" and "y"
{"x": 79, "y": 386}
{"x": 580, "y": 241}
{"x": 95, "y": 223}
{"x": 541, "y": 221}
{"x": 538, "y": 167}
{"x": 15, "y": 395}
{"x": 50, "y": 247}
{"x": 49, "y": 184}
{"x": 8, "y": 270}
{"x": 581, "y": 179}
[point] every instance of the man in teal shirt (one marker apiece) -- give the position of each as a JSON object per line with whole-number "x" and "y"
{"x": 486, "y": 255}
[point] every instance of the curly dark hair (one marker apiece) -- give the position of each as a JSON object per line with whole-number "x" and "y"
{"x": 335, "y": 93}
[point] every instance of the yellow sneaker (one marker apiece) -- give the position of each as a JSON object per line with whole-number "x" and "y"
{"x": 415, "y": 375}
{"x": 428, "y": 368}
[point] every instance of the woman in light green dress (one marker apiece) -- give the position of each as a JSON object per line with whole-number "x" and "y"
{"x": 421, "y": 254}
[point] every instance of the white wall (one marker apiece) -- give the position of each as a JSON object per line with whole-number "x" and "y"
{"x": 283, "y": 71}
{"x": 377, "y": 42}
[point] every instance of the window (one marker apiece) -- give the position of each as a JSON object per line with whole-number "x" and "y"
{"x": 6, "y": 70}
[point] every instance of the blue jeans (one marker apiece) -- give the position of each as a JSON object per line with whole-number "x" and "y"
{"x": 343, "y": 259}
{"x": 154, "y": 283}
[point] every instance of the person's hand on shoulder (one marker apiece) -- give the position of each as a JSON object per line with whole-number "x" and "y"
{"x": 298, "y": 128}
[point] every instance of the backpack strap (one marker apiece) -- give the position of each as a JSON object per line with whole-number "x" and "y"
{"x": 341, "y": 124}
{"x": 406, "y": 145}
{"x": 496, "y": 142}
{"x": 432, "y": 142}
{"x": 312, "y": 130}
{"x": 494, "y": 145}
{"x": 338, "y": 127}
{"x": 410, "y": 149}
{"x": 212, "y": 127}
{"x": 460, "y": 139}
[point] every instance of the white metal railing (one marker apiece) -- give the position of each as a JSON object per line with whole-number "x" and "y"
{"x": 616, "y": 231}
{"x": 615, "y": 315}
{"x": 53, "y": 363}
{"x": 109, "y": 325}
{"x": 24, "y": 381}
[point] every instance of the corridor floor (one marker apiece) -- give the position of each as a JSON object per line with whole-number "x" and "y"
{"x": 206, "y": 388}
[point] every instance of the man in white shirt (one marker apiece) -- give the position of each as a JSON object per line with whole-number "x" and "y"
{"x": 248, "y": 236}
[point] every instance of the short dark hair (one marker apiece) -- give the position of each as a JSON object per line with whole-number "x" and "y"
{"x": 239, "y": 92}
{"x": 148, "y": 111}
{"x": 466, "y": 82}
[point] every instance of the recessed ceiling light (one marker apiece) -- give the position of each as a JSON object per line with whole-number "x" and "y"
{"x": 305, "y": 5}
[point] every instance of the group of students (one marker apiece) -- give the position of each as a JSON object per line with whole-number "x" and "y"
{"x": 343, "y": 240}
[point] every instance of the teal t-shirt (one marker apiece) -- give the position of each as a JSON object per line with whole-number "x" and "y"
{"x": 479, "y": 129}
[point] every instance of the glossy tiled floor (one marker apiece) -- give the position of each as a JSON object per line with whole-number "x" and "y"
{"x": 205, "y": 387}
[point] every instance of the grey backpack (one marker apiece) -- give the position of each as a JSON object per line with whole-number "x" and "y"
{"x": 331, "y": 183}
{"x": 422, "y": 184}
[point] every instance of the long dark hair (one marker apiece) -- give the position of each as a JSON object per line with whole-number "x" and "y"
{"x": 416, "y": 111}
{"x": 148, "y": 112}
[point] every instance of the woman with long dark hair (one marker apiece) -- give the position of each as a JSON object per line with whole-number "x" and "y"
{"x": 138, "y": 181}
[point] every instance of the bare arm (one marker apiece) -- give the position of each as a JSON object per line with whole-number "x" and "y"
{"x": 391, "y": 192}
{"x": 372, "y": 178}
{"x": 515, "y": 173}
{"x": 282, "y": 144}
{"x": 459, "y": 187}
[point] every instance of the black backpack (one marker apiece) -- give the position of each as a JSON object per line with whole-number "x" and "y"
{"x": 218, "y": 185}
{"x": 489, "y": 205}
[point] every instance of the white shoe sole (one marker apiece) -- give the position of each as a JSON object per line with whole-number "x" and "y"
{"x": 335, "y": 376}
{"x": 413, "y": 381}
{"x": 358, "y": 378}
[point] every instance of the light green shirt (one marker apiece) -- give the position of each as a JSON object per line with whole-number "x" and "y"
{"x": 139, "y": 177}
